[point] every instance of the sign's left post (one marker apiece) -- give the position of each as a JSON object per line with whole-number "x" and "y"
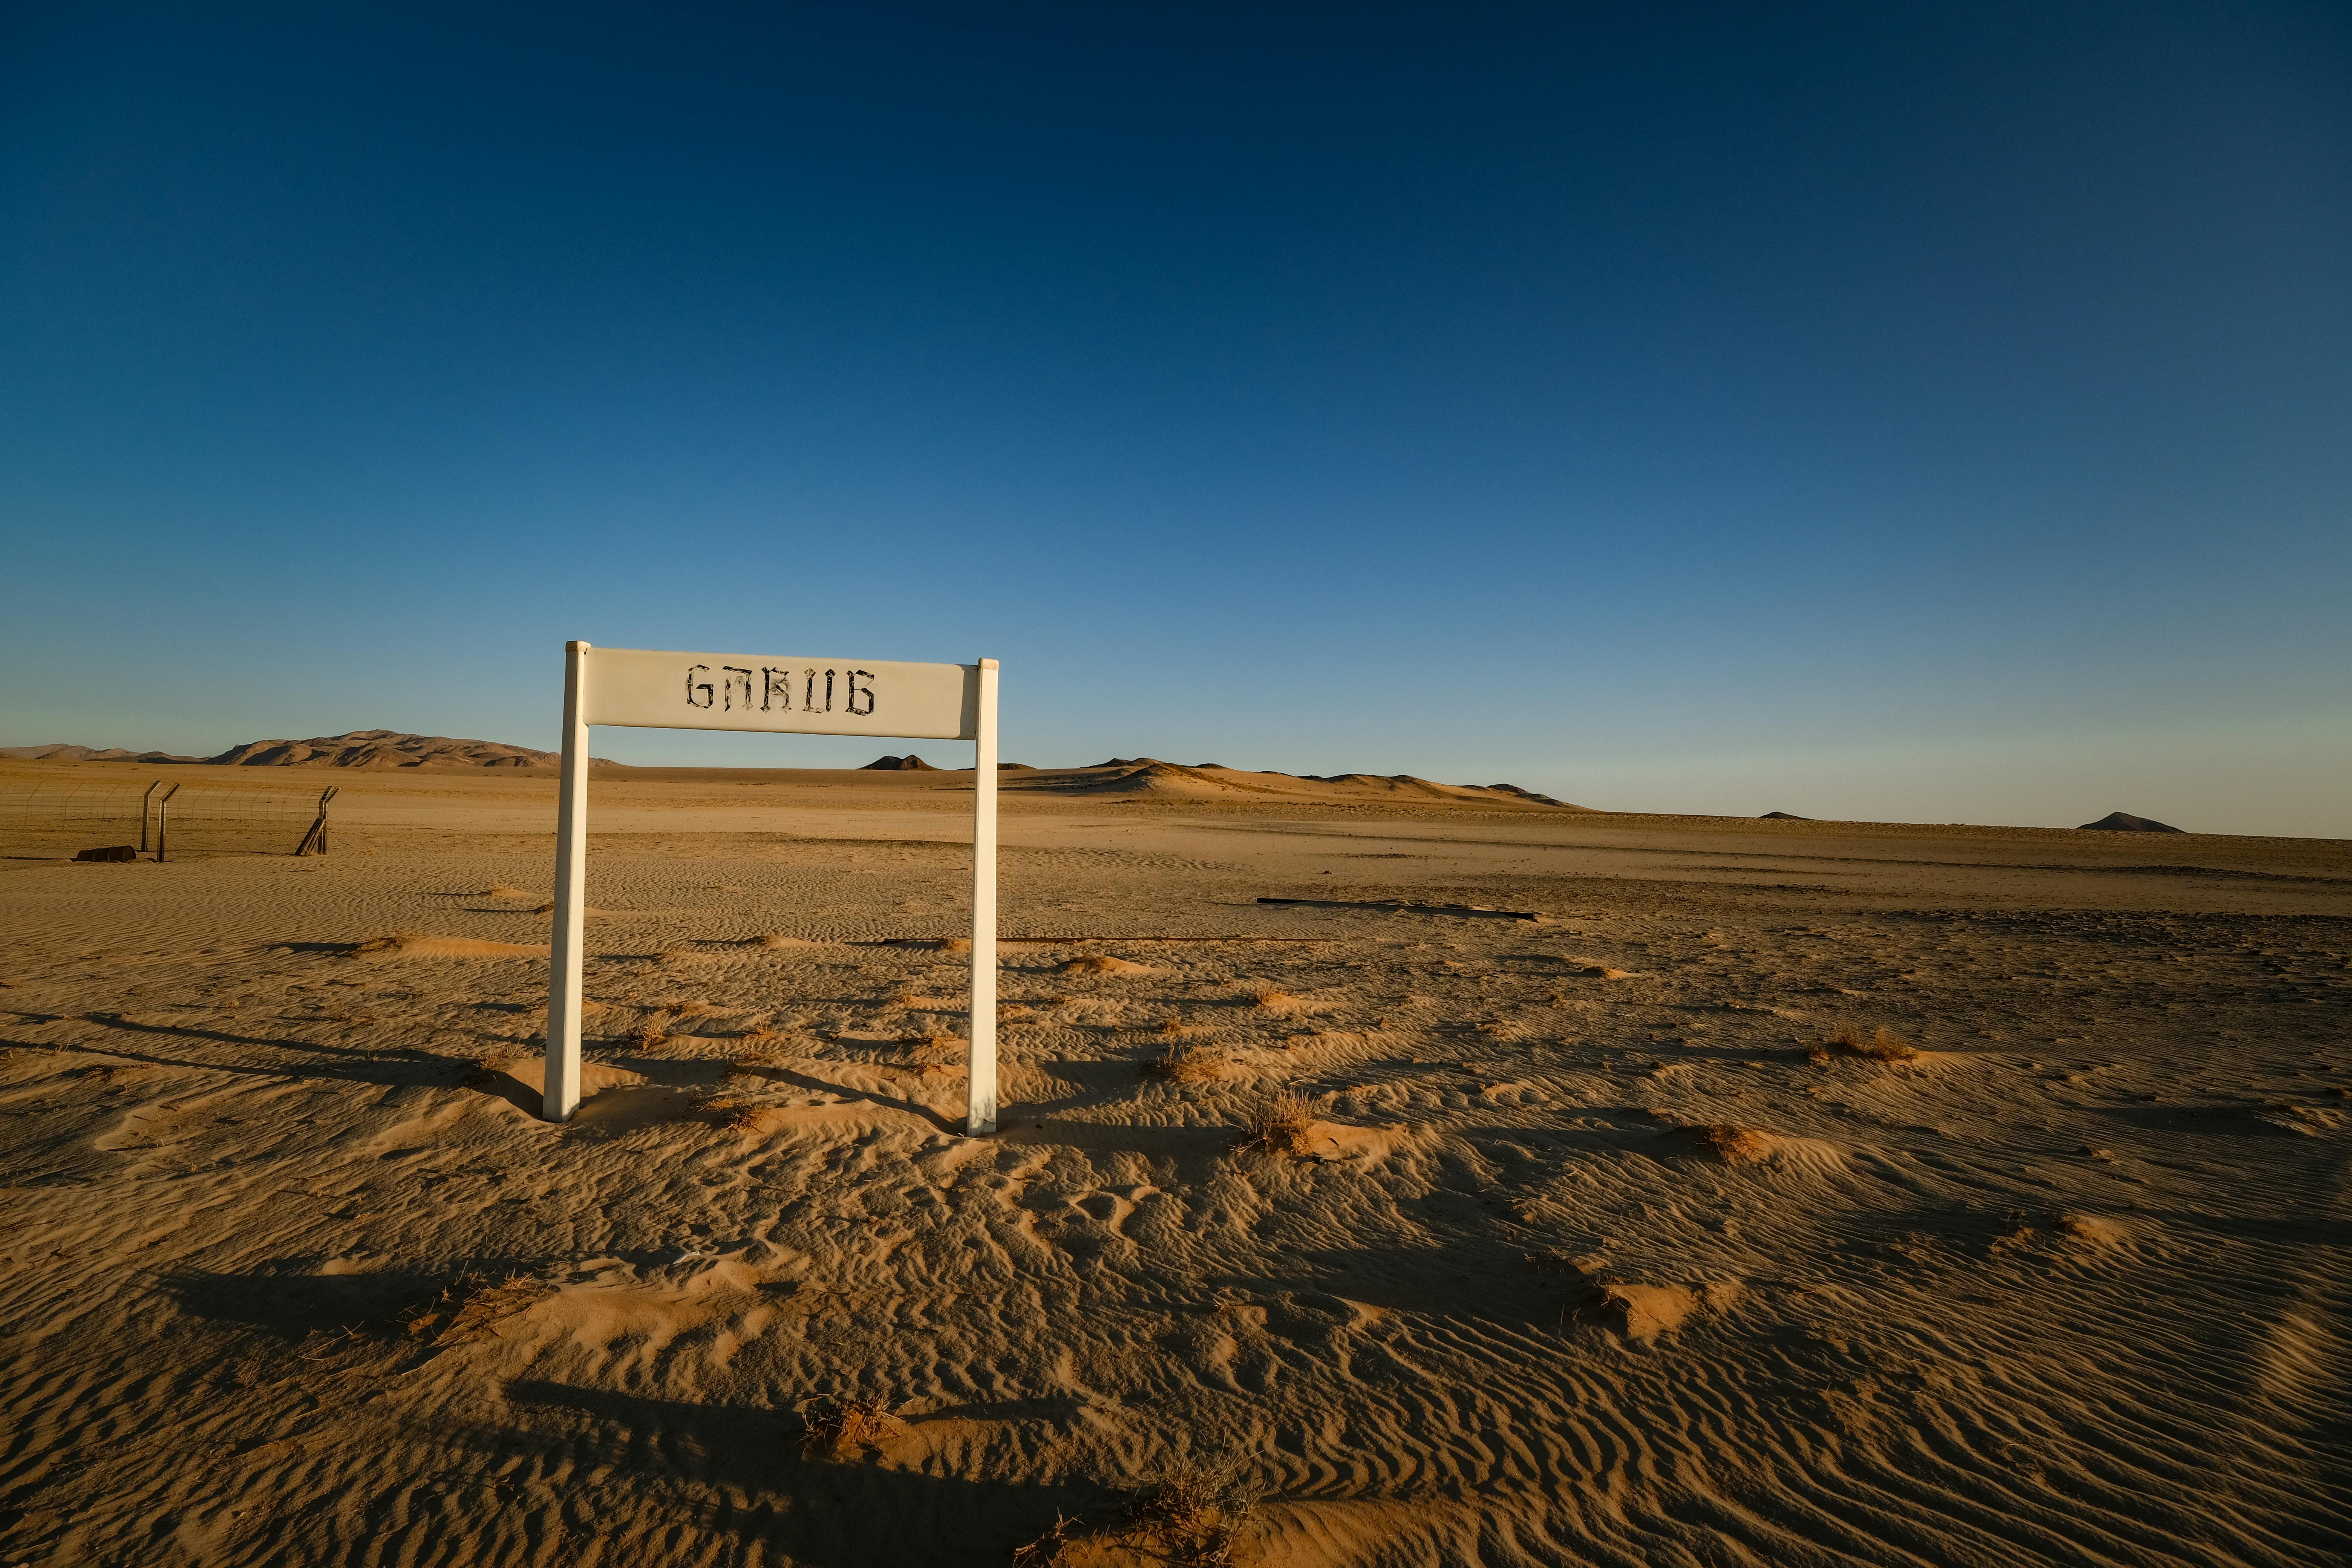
{"x": 565, "y": 947}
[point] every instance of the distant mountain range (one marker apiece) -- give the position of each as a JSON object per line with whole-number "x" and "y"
{"x": 386, "y": 749}
{"x": 358, "y": 749}
{"x": 1211, "y": 781}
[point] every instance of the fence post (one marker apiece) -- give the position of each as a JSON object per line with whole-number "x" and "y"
{"x": 314, "y": 841}
{"x": 163, "y": 820}
{"x": 142, "y": 813}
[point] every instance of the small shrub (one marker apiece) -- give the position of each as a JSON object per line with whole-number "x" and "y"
{"x": 1186, "y": 1519}
{"x": 1880, "y": 1045}
{"x": 845, "y": 1424}
{"x": 1190, "y": 1515}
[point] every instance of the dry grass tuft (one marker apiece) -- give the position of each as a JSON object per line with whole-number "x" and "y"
{"x": 733, "y": 1115}
{"x": 925, "y": 1046}
{"x": 472, "y": 1305}
{"x": 844, "y": 1425}
{"x": 1279, "y": 1126}
{"x": 488, "y": 1070}
{"x": 1046, "y": 1551}
{"x": 1880, "y": 1045}
{"x": 1182, "y": 1063}
{"x": 654, "y": 1037}
{"x": 1186, "y": 1519}
{"x": 1190, "y": 1515}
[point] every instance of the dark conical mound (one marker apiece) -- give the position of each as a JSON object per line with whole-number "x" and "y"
{"x": 909, "y": 763}
{"x": 1783, "y": 817}
{"x": 2125, "y": 822}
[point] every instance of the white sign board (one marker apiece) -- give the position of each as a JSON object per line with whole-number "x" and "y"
{"x": 800, "y": 696}
{"x": 643, "y": 688}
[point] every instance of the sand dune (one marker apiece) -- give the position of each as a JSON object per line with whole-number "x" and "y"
{"x": 1149, "y": 776}
{"x": 1789, "y": 1192}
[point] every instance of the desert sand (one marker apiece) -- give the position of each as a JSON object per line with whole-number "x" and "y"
{"x": 1783, "y": 1192}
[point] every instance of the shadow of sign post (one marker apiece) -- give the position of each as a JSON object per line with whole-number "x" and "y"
{"x": 638, "y": 689}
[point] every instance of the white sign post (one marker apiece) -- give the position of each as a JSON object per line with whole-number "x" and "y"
{"x": 637, "y": 689}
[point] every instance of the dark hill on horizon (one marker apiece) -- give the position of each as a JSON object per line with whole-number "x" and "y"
{"x": 358, "y": 749}
{"x": 2125, "y": 822}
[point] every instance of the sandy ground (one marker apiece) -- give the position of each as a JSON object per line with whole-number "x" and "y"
{"x": 1580, "y": 1244}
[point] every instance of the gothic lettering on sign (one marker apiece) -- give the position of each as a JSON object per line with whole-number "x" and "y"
{"x": 768, "y": 689}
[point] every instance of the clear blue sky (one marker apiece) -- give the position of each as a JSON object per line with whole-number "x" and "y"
{"x": 1911, "y": 412}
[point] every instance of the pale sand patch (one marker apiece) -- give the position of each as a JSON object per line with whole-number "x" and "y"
{"x": 1104, "y": 963}
{"x": 1722, "y": 1143}
{"x": 1643, "y": 1313}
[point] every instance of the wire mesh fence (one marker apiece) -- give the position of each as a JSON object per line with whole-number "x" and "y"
{"x": 163, "y": 817}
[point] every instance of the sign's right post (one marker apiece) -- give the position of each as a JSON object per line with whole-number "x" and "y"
{"x": 982, "y": 1114}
